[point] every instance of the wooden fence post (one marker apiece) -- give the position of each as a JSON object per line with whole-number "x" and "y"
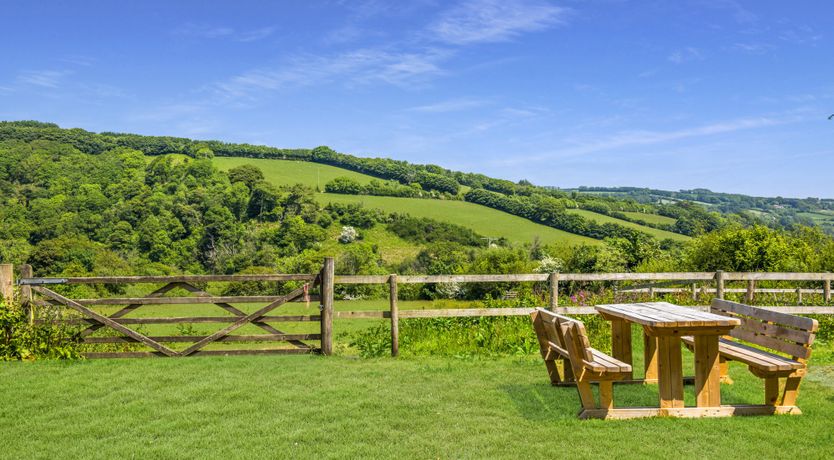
{"x": 554, "y": 290}
{"x": 395, "y": 316}
{"x": 751, "y": 291}
{"x": 694, "y": 292}
{"x": 719, "y": 284}
{"x": 826, "y": 290}
{"x": 26, "y": 293}
{"x": 7, "y": 282}
{"x": 799, "y": 295}
{"x": 327, "y": 276}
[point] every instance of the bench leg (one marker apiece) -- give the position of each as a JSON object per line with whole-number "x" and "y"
{"x": 553, "y": 372}
{"x": 567, "y": 372}
{"x": 670, "y": 371}
{"x": 791, "y": 391}
{"x": 725, "y": 371}
{"x": 771, "y": 390}
{"x": 586, "y": 395}
{"x": 621, "y": 342}
{"x": 707, "y": 371}
{"x": 606, "y": 394}
{"x": 650, "y": 358}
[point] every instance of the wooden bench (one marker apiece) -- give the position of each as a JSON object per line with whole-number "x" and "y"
{"x": 789, "y": 335}
{"x": 564, "y": 339}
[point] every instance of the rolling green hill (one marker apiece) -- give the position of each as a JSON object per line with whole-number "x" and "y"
{"x": 486, "y": 221}
{"x": 601, "y": 218}
{"x": 288, "y": 172}
{"x": 651, "y": 218}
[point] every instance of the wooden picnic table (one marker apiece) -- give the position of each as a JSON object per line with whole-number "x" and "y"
{"x": 663, "y": 325}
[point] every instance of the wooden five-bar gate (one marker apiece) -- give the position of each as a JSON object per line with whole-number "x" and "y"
{"x": 37, "y": 292}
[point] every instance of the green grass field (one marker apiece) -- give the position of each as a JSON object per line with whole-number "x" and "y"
{"x": 341, "y": 407}
{"x": 286, "y": 172}
{"x": 651, "y": 218}
{"x": 601, "y": 218}
{"x": 486, "y": 221}
{"x": 821, "y": 218}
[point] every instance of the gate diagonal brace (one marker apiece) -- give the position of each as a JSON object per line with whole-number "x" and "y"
{"x": 157, "y": 293}
{"x": 106, "y": 321}
{"x": 237, "y": 312}
{"x": 243, "y": 321}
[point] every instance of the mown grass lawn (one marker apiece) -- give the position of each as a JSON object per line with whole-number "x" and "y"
{"x": 340, "y": 407}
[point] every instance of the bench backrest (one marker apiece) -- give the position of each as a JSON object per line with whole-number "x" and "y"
{"x": 565, "y": 333}
{"x": 789, "y": 334}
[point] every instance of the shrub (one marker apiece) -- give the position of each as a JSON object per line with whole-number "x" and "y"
{"x": 348, "y": 235}
{"x": 21, "y": 341}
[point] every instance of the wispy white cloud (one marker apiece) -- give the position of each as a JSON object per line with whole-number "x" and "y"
{"x": 487, "y": 21}
{"x": 362, "y": 66}
{"x": 687, "y": 54}
{"x": 79, "y": 60}
{"x": 451, "y": 105}
{"x": 43, "y": 78}
{"x": 636, "y": 138}
{"x": 801, "y": 35}
{"x": 752, "y": 48}
{"x": 405, "y": 63}
{"x": 741, "y": 14}
{"x": 206, "y": 31}
{"x": 255, "y": 35}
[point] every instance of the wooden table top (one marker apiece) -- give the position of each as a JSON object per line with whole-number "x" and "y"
{"x": 664, "y": 314}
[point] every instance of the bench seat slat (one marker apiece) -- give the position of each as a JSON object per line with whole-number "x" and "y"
{"x": 752, "y": 356}
{"x": 610, "y": 363}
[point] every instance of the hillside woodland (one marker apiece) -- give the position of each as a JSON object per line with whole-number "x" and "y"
{"x": 80, "y": 203}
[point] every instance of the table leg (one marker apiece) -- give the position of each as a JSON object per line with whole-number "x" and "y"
{"x": 621, "y": 342}
{"x": 650, "y": 358}
{"x": 707, "y": 371}
{"x": 670, "y": 371}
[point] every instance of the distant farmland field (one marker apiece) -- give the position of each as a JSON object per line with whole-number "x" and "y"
{"x": 601, "y": 218}
{"x": 287, "y": 172}
{"x": 651, "y": 218}
{"x": 486, "y": 221}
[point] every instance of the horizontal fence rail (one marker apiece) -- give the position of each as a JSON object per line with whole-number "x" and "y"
{"x": 423, "y": 279}
{"x": 696, "y": 283}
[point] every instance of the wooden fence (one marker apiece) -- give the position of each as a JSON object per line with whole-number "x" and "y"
{"x": 698, "y": 283}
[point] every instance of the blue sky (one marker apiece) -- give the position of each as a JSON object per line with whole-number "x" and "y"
{"x": 729, "y": 95}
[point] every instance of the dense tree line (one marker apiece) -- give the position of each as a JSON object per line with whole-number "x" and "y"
{"x": 428, "y": 181}
{"x": 436, "y": 182}
{"x": 348, "y": 186}
{"x": 71, "y": 213}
